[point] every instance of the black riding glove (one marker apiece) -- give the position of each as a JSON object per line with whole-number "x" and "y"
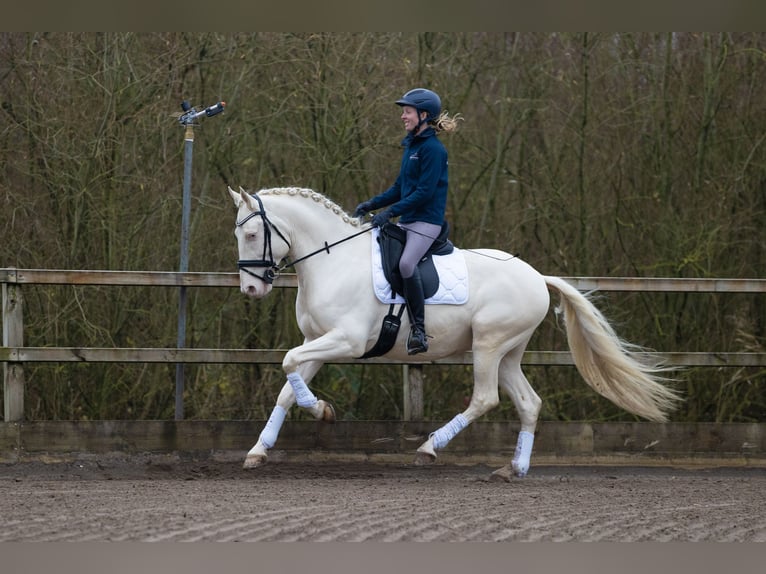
{"x": 363, "y": 209}
{"x": 380, "y": 219}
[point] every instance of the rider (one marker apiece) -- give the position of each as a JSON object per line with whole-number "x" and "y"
{"x": 418, "y": 197}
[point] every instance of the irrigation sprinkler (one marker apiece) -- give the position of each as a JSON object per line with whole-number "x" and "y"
{"x": 188, "y": 119}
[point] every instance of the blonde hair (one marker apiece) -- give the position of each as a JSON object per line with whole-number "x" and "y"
{"x": 446, "y": 123}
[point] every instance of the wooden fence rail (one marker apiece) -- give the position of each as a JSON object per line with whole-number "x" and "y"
{"x": 13, "y": 353}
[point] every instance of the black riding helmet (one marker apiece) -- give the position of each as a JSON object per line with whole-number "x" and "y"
{"x": 423, "y": 101}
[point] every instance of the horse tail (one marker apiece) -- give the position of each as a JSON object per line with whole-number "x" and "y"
{"x": 612, "y": 367}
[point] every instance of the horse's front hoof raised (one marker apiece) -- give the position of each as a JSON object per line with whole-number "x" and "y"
{"x": 254, "y": 461}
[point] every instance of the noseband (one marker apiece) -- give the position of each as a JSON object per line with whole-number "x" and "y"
{"x": 272, "y": 269}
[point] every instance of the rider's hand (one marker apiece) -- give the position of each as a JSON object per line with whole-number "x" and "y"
{"x": 380, "y": 219}
{"x": 362, "y": 209}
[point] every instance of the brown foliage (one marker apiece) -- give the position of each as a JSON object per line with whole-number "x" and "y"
{"x": 588, "y": 154}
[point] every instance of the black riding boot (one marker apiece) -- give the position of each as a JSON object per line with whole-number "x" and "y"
{"x": 413, "y": 293}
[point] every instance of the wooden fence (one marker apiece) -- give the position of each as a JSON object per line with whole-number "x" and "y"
{"x": 13, "y": 353}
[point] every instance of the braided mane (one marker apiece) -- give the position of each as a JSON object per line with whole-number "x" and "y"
{"x": 316, "y": 197}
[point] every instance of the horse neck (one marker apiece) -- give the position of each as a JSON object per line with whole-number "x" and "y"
{"x": 310, "y": 225}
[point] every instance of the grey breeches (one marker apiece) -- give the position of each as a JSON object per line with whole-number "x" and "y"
{"x": 420, "y": 236}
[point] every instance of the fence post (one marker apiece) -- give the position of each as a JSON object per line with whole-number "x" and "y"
{"x": 413, "y": 392}
{"x": 13, "y": 336}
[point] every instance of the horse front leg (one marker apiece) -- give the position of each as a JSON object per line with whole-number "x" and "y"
{"x": 300, "y": 365}
{"x": 258, "y": 455}
{"x": 331, "y": 346}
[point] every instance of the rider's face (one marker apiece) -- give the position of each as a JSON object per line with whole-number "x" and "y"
{"x": 410, "y": 118}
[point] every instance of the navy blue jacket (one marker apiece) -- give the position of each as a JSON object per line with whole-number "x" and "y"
{"x": 420, "y": 191}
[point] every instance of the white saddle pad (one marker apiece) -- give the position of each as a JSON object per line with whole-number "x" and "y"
{"x": 453, "y": 278}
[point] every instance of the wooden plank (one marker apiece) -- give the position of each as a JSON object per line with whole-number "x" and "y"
{"x": 59, "y": 437}
{"x": 140, "y": 355}
{"x": 275, "y": 356}
{"x": 131, "y": 278}
{"x": 231, "y": 279}
{"x": 713, "y": 359}
{"x": 636, "y": 443}
{"x": 680, "y": 438}
{"x": 680, "y": 285}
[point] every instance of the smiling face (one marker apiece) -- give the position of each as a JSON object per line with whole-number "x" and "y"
{"x": 411, "y": 118}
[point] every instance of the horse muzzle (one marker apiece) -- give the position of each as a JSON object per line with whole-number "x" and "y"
{"x": 264, "y": 280}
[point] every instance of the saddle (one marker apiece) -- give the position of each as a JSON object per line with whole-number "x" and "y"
{"x": 391, "y": 240}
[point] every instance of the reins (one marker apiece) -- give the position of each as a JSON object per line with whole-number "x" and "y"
{"x": 326, "y": 248}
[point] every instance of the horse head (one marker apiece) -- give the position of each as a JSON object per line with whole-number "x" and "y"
{"x": 261, "y": 244}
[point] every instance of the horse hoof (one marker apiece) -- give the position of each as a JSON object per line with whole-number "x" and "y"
{"x": 501, "y": 475}
{"x": 254, "y": 461}
{"x": 520, "y": 470}
{"x": 424, "y": 459}
{"x": 328, "y": 413}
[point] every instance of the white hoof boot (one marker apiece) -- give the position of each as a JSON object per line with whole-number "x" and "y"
{"x": 523, "y": 453}
{"x": 520, "y": 469}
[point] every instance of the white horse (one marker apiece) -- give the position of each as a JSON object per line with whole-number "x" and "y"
{"x": 340, "y": 318}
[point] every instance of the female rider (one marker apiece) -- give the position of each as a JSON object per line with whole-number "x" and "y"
{"x": 418, "y": 197}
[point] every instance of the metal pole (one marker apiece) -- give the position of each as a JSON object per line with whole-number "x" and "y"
{"x": 187, "y": 119}
{"x": 184, "y": 266}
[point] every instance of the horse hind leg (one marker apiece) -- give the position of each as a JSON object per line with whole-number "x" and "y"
{"x": 527, "y": 403}
{"x": 485, "y": 398}
{"x": 426, "y": 453}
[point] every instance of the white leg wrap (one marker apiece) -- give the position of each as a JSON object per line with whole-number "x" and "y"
{"x": 270, "y": 432}
{"x": 523, "y": 453}
{"x": 445, "y": 434}
{"x": 303, "y": 396}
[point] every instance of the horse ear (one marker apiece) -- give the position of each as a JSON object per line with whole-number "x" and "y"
{"x": 236, "y": 197}
{"x": 248, "y": 199}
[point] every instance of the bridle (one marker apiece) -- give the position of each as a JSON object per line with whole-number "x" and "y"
{"x": 272, "y": 269}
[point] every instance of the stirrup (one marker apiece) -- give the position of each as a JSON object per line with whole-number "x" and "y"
{"x": 416, "y": 342}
